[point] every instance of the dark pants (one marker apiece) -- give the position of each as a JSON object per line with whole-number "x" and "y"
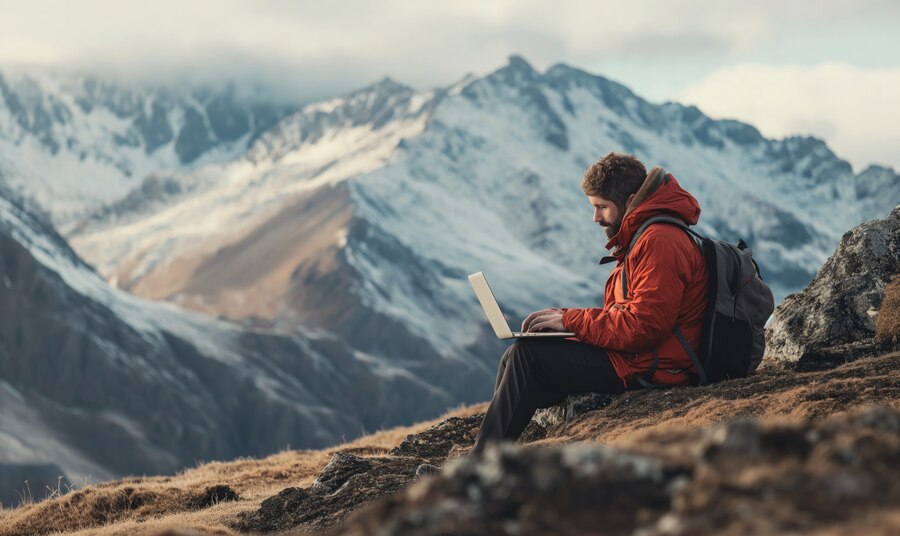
{"x": 539, "y": 373}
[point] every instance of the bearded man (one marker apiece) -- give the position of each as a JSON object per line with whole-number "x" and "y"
{"x": 629, "y": 342}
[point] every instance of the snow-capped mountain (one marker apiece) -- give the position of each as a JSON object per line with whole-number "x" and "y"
{"x": 74, "y": 143}
{"x": 365, "y": 212}
{"x": 97, "y": 383}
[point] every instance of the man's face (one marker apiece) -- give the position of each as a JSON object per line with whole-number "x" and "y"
{"x": 606, "y": 213}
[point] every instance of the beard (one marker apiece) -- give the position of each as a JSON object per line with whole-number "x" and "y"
{"x": 612, "y": 229}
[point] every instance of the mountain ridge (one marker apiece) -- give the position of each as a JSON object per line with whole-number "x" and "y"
{"x": 87, "y": 140}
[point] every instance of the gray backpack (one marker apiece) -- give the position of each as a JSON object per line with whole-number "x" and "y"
{"x": 739, "y": 304}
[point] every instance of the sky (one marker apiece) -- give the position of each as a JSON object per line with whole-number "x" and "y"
{"x": 826, "y": 68}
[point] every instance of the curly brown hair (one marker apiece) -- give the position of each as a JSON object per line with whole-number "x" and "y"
{"x": 615, "y": 177}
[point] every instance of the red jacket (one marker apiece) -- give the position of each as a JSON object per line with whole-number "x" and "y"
{"x": 667, "y": 280}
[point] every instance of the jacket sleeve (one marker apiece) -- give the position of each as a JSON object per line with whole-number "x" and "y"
{"x": 656, "y": 283}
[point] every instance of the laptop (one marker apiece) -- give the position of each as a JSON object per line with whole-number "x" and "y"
{"x": 496, "y": 318}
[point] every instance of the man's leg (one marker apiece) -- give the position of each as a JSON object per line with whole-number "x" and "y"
{"x": 538, "y": 373}
{"x": 502, "y": 368}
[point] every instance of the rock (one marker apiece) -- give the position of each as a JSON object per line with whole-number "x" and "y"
{"x": 347, "y": 483}
{"x": 435, "y": 443}
{"x": 341, "y": 467}
{"x": 839, "y": 306}
{"x": 572, "y": 408}
{"x": 216, "y": 494}
{"x": 822, "y": 358}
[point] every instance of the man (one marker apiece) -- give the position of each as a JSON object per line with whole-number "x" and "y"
{"x": 617, "y": 345}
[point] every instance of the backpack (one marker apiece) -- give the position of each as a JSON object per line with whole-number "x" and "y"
{"x": 739, "y": 304}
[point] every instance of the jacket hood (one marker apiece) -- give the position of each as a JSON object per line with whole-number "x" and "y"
{"x": 659, "y": 195}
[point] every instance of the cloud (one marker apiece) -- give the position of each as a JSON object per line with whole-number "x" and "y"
{"x": 854, "y": 109}
{"x": 299, "y": 51}
{"x": 354, "y": 42}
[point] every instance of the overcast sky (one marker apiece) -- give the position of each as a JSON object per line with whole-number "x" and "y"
{"x": 827, "y": 68}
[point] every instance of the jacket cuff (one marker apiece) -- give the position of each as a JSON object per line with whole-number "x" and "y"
{"x": 570, "y": 317}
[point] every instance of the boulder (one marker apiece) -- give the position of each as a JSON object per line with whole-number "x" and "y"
{"x": 215, "y": 495}
{"x": 435, "y": 443}
{"x": 832, "y": 320}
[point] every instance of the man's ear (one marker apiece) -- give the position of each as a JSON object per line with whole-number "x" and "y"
{"x": 628, "y": 202}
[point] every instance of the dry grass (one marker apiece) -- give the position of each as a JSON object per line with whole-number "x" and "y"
{"x": 151, "y": 505}
{"x": 887, "y": 323}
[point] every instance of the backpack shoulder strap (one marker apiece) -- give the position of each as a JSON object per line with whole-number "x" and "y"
{"x": 698, "y": 368}
{"x": 656, "y": 219}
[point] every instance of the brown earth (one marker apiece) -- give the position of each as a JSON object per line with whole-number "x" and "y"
{"x": 281, "y": 492}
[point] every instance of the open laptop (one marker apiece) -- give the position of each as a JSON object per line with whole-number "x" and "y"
{"x": 496, "y": 318}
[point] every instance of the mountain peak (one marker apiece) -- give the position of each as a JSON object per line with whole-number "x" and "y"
{"x": 563, "y": 69}
{"x": 386, "y": 85}
{"x": 518, "y": 62}
{"x": 876, "y": 168}
{"x": 516, "y": 70}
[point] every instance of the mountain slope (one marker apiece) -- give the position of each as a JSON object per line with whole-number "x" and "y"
{"x": 97, "y": 383}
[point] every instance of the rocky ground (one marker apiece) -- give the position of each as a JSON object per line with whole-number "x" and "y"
{"x": 638, "y": 461}
{"x": 742, "y": 477}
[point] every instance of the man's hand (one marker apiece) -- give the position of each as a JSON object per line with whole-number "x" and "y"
{"x": 545, "y": 319}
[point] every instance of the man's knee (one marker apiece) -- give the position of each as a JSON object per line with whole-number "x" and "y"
{"x": 523, "y": 351}
{"x": 510, "y": 350}
{"x": 517, "y": 347}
